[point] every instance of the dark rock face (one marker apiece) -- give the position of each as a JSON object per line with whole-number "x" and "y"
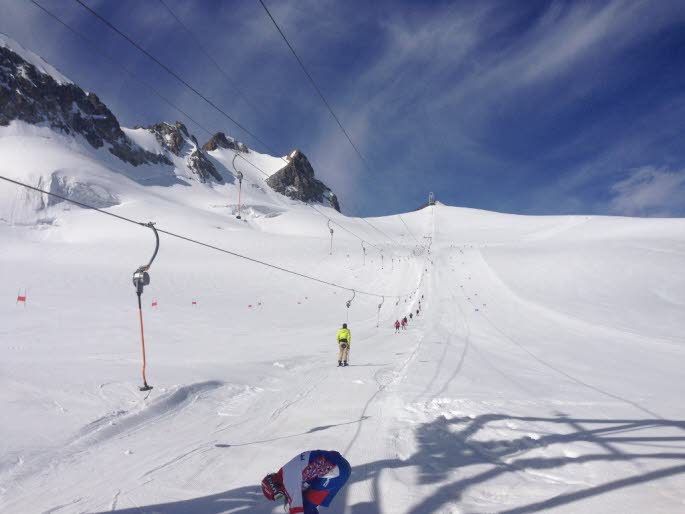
{"x": 200, "y": 164}
{"x": 296, "y": 180}
{"x": 219, "y": 140}
{"x": 28, "y": 95}
{"x": 171, "y": 137}
{"x": 177, "y": 140}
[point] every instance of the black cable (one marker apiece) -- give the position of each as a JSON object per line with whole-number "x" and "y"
{"x": 159, "y": 95}
{"x": 94, "y": 47}
{"x": 316, "y": 87}
{"x": 177, "y": 77}
{"x": 328, "y": 106}
{"x": 207, "y": 54}
{"x": 75, "y": 202}
{"x": 200, "y": 243}
{"x": 126, "y": 70}
{"x": 408, "y": 230}
{"x": 345, "y": 229}
{"x": 381, "y": 232}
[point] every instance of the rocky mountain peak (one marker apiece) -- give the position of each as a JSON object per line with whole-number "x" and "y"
{"x": 220, "y": 140}
{"x": 296, "y": 180}
{"x": 32, "y": 95}
{"x": 36, "y": 93}
{"x": 175, "y": 138}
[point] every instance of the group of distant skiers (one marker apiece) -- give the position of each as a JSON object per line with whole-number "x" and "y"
{"x": 404, "y": 321}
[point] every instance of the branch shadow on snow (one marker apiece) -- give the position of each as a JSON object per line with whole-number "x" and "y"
{"x": 451, "y": 458}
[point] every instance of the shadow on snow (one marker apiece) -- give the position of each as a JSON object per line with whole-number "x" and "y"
{"x": 447, "y": 451}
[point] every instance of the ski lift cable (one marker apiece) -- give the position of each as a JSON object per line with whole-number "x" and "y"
{"x": 177, "y": 77}
{"x": 331, "y": 220}
{"x": 381, "y": 232}
{"x": 171, "y": 104}
{"x": 93, "y": 46}
{"x": 323, "y": 99}
{"x": 408, "y": 229}
{"x": 316, "y": 87}
{"x": 206, "y": 245}
{"x": 207, "y": 54}
{"x": 181, "y": 80}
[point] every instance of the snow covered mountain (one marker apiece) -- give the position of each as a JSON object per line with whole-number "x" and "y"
{"x": 542, "y": 369}
{"x": 34, "y": 96}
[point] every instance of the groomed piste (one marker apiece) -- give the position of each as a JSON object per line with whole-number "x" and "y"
{"x": 542, "y": 372}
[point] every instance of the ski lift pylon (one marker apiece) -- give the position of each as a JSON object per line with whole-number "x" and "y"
{"x": 239, "y": 175}
{"x": 331, "y": 230}
{"x": 141, "y": 278}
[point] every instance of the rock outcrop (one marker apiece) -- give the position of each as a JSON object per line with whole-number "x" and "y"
{"x": 220, "y": 140}
{"x": 34, "y": 92}
{"x": 176, "y": 139}
{"x": 32, "y": 96}
{"x": 296, "y": 180}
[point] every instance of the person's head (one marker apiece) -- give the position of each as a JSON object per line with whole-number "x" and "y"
{"x": 272, "y": 487}
{"x": 344, "y": 325}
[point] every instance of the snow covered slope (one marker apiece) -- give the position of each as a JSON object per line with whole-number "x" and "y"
{"x": 543, "y": 373}
{"x": 542, "y": 370}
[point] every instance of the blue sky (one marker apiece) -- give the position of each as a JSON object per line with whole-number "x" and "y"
{"x": 535, "y": 107}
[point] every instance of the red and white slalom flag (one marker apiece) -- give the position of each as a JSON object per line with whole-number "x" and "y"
{"x": 21, "y": 298}
{"x": 154, "y": 302}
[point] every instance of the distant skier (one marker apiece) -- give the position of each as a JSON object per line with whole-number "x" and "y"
{"x": 344, "y": 339}
{"x": 311, "y": 479}
{"x": 404, "y": 323}
{"x": 417, "y": 312}
{"x": 397, "y": 326}
{"x": 411, "y": 316}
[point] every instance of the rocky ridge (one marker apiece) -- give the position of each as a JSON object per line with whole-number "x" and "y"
{"x": 34, "y": 92}
{"x": 176, "y": 139}
{"x": 296, "y": 180}
{"x": 220, "y": 140}
{"x": 28, "y": 95}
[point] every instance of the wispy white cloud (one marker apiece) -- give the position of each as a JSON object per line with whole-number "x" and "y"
{"x": 421, "y": 89}
{"x": 649, "y": 191}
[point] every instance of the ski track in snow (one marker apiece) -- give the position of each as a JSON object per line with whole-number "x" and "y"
{"x": 489, "y": 402}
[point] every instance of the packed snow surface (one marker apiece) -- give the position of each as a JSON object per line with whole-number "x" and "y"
{"x": 544, "y": 372}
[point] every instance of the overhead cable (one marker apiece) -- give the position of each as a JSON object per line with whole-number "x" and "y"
{"x": 203, "y": 244}
{"x": 211, "y": 59}
{"x": 94, "y": 47}
{"x": 380, "y": 231}
{"x": 408, "y": 230}
{"x": 323, "y": 99}
{"x": 177, "y": 77}
{"x": 316, "y": 87}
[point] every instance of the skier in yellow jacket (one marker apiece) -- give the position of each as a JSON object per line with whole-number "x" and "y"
{"x": 344, "y": 340}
